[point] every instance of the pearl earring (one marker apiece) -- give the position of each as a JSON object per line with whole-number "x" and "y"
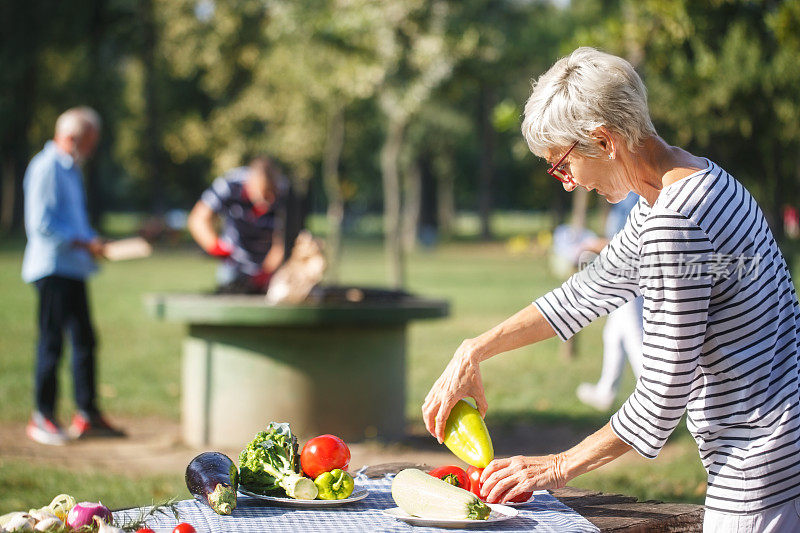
{"x": 611, "y": 156}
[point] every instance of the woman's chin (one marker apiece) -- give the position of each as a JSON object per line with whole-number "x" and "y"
{"x": 612, "y": 198}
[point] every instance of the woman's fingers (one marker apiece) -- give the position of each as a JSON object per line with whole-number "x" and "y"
{"x": 441, "y": 417}
{"x": 429, "y": 410}
{"x": 494, "y": 466}
{"x": 480, "y": 400}
{"x": 497, "y": 470}
{"x": 515, "y": 491}
{"x": 499, "y": 489}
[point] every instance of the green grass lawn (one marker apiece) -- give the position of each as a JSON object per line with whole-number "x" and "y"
{"x": 139, "y": 361}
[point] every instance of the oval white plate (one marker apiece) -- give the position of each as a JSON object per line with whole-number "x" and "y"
{"x": 499, "y": 514}
{"x": 358, "y": 494}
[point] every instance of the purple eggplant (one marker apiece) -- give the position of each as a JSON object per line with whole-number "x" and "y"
{"x": 212, "y": 478}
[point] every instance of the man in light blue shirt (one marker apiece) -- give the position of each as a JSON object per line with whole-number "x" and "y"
{"x": 59, "y": 256}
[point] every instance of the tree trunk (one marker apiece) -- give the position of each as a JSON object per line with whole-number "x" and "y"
{"x": 98, "y": 72}
{"x": 580, "y": 203}
{"x": 333, "y": 190}
{"x": 390, "y": 155}
{"x": 428, "y": 220}
{"x": 22, "y": 33}
{"x": 412, "y": 204}
{"x": 778, "y": 191}
{"x": 446, "y": 203}
{"x": 486, "y": 167}
{"x": 152, "y": 128}
{"x": 634, "y": 51}
{"x": 9, "y": 194}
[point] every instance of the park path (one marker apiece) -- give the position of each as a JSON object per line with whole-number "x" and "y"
{"x": 153, "y": 446}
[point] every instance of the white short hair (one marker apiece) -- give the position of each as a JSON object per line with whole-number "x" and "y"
{"x": 581, "y": 92}
{"x": 77, "y": 121}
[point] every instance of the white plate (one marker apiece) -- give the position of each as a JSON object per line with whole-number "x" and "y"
{"x": 499, "y": 514}
{"x": 358, "y": 494}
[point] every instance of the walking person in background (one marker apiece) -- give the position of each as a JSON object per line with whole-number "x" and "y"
{"x": 622, "y": 333}
{"x": 60, "y": 254}
{"x": 249, "y": 201}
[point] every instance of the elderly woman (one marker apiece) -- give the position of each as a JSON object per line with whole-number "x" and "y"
{"x": 721, "y": 316}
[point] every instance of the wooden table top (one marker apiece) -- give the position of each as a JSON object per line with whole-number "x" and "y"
{"x": 609, "y": 512}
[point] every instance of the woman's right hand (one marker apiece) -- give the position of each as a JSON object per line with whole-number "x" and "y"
{"x": 461, "y": 379}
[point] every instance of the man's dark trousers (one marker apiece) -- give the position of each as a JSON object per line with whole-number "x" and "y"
{"x": 63, "y": 306}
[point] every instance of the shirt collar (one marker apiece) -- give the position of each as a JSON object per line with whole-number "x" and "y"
{"x": 255, "y": 210}
{"x": 66, "y": 160}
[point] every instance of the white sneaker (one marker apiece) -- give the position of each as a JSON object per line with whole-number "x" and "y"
{"x": 45, "y": 430}
{"x": 602, "y": 400}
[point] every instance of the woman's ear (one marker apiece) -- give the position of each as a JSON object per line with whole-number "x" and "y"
{"x": 606, "y": 141}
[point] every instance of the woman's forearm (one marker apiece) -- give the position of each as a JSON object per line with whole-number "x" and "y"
{"x": 527, "y": 326}
{"x": 599, "y": 448}
{"x": 462, "y": 377}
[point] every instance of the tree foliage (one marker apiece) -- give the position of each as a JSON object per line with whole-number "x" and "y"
{"x": 405, "y": 106}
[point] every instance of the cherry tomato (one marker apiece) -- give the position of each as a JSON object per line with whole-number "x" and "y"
{"x": 474, "y": 475}
{"x": 183, "y": 527}
{"x": 323, "y": 454}
{"x": 452, "y": 474}
{"x": 145, "y": 530}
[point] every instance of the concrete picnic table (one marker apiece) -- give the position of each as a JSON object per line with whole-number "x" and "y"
{"x": 563, "y": 510}
{"x": 327, "y": 367}
{"x": 609, "y": 512}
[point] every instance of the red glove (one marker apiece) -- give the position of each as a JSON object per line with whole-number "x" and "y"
{"x": 261, "y": 280}
{"x": 220, "y": 249}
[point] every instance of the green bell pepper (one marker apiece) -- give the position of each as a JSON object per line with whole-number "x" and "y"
{"x": 467, "y": 437}
{"x": 334, "y": 485}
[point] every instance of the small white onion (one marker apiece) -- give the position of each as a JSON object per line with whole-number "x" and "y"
{"x": 102, "y": 527}
{"x": 51, "y": 525}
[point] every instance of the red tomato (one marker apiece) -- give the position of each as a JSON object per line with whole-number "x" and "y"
{"x": 183, "y": 527}
{"x": 145, "y": 530}
{"x": 525, "y": 496}
{"x": 474, "y": 475}
{"x": 452, "y": 474}
{"x": 323, "y": 454}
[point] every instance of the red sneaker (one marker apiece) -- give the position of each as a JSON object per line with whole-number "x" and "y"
{"x": 92, "y": 426}
{"x": 45, "y": 430}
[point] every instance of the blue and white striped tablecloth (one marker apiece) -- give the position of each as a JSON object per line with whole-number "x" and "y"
{"x": 545, "y": 513}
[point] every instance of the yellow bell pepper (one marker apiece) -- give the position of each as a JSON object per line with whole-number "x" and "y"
{"x": 467, "y": 437}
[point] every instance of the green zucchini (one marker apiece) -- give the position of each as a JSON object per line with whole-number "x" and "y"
{"x": 419, "y": 494}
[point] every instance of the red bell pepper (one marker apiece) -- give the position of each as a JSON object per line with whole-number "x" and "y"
{"x": 452, "y": 474}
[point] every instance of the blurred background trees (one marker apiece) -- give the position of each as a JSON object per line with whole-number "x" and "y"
{"x": 409, "y": 108}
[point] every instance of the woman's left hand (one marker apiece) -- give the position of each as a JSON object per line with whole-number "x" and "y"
{"x": 505, "y": 479}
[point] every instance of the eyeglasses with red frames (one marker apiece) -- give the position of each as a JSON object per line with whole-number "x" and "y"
{"x": 560, "y": 173}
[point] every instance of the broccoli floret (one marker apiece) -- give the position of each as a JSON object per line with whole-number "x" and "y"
{"x": 270, "y": 462}
{"x": 251, "y": 473}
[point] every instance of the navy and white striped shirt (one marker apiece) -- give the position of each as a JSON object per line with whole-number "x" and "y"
{"x": 249, "y": 231}
{"x": 721, "y": 335}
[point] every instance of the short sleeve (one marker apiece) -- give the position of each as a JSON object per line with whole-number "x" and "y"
{"x": 218, "y": 195}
